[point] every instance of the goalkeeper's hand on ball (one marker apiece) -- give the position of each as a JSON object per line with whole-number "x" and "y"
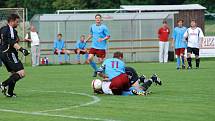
{"x": 25, "y": 52}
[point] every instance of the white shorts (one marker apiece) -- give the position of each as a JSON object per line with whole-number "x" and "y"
{"x": 106, "y": 89}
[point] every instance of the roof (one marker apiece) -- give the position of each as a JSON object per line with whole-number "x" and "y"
{"x": 163, "y": 7}
{"x": 106, "y": 16}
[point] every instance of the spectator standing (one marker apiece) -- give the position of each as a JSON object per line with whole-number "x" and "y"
{"x": 163, "y": 35}
{"x": 33, "y": 38}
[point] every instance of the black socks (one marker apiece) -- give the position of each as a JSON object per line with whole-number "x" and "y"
{"x": 189, "y": 60}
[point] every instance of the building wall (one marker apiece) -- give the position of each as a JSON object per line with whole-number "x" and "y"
{"x": 187, "y": 15}
{"x": 136, "y": 38}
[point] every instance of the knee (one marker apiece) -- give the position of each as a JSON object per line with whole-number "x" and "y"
{"x": 100, "y": 60}
{"x": 67, "y": 52}
{"x": 21, "y": 73}
{"x": 197, "y": 57}
{"x": 90, "y": 57}
{"x": 15, "y": 77}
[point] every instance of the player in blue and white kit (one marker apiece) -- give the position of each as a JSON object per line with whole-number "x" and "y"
{"x": 81, "y": 48}
{"x": 99, "y": 34}
{"x": 179, "y": 43}
{"x": 194, "y": 36}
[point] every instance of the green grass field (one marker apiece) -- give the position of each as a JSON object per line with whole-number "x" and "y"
{"x": 63, "y": 93}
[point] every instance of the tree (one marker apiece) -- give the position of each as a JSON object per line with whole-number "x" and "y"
{"x": 209, "y": 4}
{"x": 68, "y": 4}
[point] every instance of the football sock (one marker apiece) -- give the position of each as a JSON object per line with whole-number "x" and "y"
{"x": 147, "y": 84}
{"x": 127, "y": 93}
{"x": 59, "y": 58}
{"x": 189, "y": 60}
{"x": 11, "y": 88}
{"x": 78, "y": 57}
{"x": 197, "y": 62}
{"x": 12, "y": 79}
{"x": 178, "y": 62}
{"x": 66, "y": 57}
{"x": 182, "y": 60}
{"x": 93, "y": 65}
{"x": 86, "y": 56}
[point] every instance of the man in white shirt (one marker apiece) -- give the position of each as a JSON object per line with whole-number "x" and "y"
{"x": 194, "y": 36}
{"x": 33, "y": 37}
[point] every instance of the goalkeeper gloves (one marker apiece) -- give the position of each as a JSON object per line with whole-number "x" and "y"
{"x": 24, "y": 51}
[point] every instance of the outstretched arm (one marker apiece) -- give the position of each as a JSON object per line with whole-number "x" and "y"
{"x": 101, "y": 71}
{"x": 27, "y": 37}
{"x": 89, "y": 37}
{"x": 24, "y": 51}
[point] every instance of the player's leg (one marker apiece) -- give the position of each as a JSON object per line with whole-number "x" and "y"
{"x": 16, "y": 77}
{"x": 66, "y": 55}
{"x": 17, "y": 73}
{"x": 196, "y": 52}
{"x": 100, "y": 60}
{"x": 101, "y": 55}
{"x": 16, "y": 68}
{"x": 59, "y": 56}
{"x": 5, "y": 62}
{"x": 156, "y": 79}
{"x": 161, "y": 50}
{"x": 132, "y": 75}
{"x": 178, "y": 60}
{"x": 106, "y": 87}
{"x": 86, "y": 57}
{"x": 91, "y": 62}
{"x": 127, "y": 93}
{"x": 146, "y": 84}
{"x": 182, "y": 57}
{"x": 11, "y": 87}
{"x": 77, "y": 51}
{"x": 10, "y": 82}
{"x": 189, "y": 59}
{"x": 166, "y": 49}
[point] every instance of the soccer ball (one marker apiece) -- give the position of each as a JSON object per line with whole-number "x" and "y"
{"x": 96, "y": 84}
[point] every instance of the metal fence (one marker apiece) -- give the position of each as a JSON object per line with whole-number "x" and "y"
{"x": 5, "y": 12}
{"x": 135, "y": 34}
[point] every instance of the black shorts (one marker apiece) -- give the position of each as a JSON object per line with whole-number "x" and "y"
{"x": 132, "y": 75}
{"x": 11, "y": 62}
{"x": 193, "y": 50}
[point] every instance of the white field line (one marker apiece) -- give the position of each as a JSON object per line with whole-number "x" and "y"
{"x": 53, "y": 115}
{"x": 95, "y": 100}
{"x": 42, "y": 113}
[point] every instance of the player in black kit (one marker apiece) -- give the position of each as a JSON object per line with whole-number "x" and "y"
{"x": 9, "y": 48}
